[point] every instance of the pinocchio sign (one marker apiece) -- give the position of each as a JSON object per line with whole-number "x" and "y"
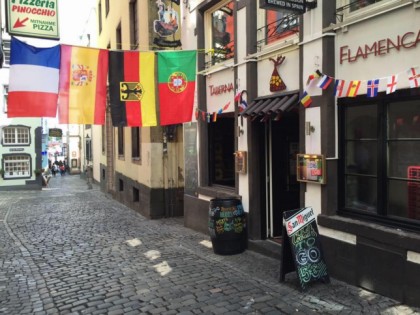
{"x": 380, "y": 47}
{"x": 33, "y": 18}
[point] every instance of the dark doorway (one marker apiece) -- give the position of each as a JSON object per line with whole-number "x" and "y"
{"x": 281, "y": 189}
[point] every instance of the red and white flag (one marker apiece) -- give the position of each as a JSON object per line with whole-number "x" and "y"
{"x": 391, "y": 85}
{"x": 414, "y": 77}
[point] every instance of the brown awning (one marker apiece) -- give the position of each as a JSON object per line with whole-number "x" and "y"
{"x": 271, "y": 106}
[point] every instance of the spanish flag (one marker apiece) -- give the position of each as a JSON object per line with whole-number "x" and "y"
{"x": 83, "y": 85}
{"x": 132, "y": 88}
{"x": 353, "y": 88}
{"x": 176, "y": 77}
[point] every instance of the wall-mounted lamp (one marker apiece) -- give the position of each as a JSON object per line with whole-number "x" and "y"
{"x": 308, "y": 128}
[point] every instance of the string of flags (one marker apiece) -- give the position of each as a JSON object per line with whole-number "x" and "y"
{"x": 212, "y": 116}
{"x": 208, "y": 116}
{"x": 352, "y": 88}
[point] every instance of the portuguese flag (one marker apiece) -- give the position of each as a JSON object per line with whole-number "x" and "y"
{"x": 176, "y": 79}
{"x": 132, "y": 88}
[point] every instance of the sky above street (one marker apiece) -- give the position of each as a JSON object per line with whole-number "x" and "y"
{"x": 73, "y": 16}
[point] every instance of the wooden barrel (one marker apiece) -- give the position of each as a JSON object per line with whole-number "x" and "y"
{"x": 227, "y": 226}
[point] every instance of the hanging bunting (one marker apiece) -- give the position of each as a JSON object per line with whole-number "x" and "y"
{"x": 392, "y": 84}
{"x": 207, "y": 116}
{"x": 413, "y": 77}
{"x": 372, "y": 88}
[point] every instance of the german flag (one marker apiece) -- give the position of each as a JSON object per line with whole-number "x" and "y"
{"x": 132, "y": 88}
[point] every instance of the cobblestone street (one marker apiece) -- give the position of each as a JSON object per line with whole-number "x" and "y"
{"x": 72, "y": 250}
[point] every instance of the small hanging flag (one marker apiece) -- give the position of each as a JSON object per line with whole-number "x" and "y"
{"x": 214, "y": 117}
{"x": 353, "y": 88}
{"x": 392, "y": 84}
{"x": 413, "y": 77}
{"x": 372, "y": 88}
{"x": 313, "y": 76}
{"x": 324, "y": 82}
{"x": 208, "y": 117}
{"x": 203, "y": 116}
{"x": 242, "y": 105}
{"x": 339, "y": 87}
{"x": 226, "y": 106}
{"x": 196, "y": 114}
{"x": 220, "y": 111}
{"x": 238, "y": 96}
{"x": 306, "y": 99}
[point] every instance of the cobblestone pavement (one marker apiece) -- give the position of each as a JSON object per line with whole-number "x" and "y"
{"x": 72, "y": 250}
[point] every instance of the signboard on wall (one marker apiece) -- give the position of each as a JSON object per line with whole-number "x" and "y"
{"x": 33, "y": 18}
{"x": 311, "y": 168}
{"x": 297, "y": 6}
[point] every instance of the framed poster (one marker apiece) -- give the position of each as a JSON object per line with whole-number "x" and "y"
{"x": 311, "y": 168}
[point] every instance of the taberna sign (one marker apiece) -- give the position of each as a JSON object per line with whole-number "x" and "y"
{"x": 297, "y": 6}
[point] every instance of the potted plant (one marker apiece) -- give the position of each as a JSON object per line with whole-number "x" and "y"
{"x": 38, "y": 171}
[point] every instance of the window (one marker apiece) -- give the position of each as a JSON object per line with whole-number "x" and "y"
{"x": 120, "y": 141}
{"x": 103, "y": 140}
{"x": 88, "y": 149}
{"x": 100, "y": 17}
{"x": 222, "y": 33}
{"x": 135, "y": 143}
{"x": 16, "y": 136}
{"x": 381, "y": 155}
{"x": 6, "y": 51}
{"x": 221, "y": 149}
{"x": 278, "y": 26}
{"x": 17, "y": 166}
{"x": 5, "y": 97}
{"x": 119, "y": 37}
{"x": 358, "y": 4}
{"x": 134, "y": 26}
{"x": 106, "y": 7}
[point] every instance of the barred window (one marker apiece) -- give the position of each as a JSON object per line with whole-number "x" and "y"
{"x": 16, "y": 136}
{"x": 17, "y": 166}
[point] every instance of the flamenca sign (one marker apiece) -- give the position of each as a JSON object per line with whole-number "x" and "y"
{"x": 33, "y": 18}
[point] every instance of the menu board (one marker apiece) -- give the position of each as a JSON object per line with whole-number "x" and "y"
{"x": 301, "y": 250}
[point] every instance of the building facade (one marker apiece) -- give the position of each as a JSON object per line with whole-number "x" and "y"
{"x": 352, "y": 157}
{"x": 141, "y": 167}
{"x": 21, "y": 143}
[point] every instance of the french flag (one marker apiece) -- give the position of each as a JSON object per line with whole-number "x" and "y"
{"x": 33, "y": 80}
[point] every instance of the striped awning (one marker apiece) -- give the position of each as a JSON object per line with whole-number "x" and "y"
{"x": 265, "y": 108}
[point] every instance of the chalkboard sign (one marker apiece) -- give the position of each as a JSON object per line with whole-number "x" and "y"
{"x": 301, "y": 250}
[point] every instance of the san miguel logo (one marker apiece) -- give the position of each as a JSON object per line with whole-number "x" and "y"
{"x": 131, "y": 91}
{"x": 299, "y": 220}
{"x": 177, "y": 82}
{"x": 81, "y": 75}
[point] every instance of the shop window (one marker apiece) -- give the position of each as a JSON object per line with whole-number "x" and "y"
{"x": 381, "y": 159}
{"x": 135, "y": 143}
{"x": 16, "y": 166}
{"x": 12, "y": 136}
{"x": 221, "y": 151}
{"x": 121, "y": 141}
{"x": 359, "y": 6}
{"x": 278, "y": 26}
{"x": 221, "y": 33}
